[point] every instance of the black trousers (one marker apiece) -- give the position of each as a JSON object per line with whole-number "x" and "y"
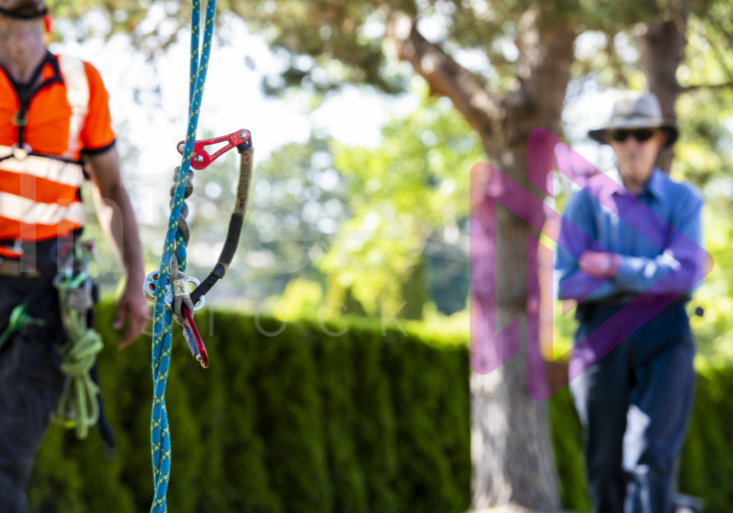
{"x": 30, "y": 385}
{"x": 634, "y": 405}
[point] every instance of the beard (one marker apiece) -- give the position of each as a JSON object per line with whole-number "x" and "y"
{"x": 23, "y": 8}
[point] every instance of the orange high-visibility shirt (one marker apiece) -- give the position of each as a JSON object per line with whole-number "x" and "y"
{"x": 61, "y": 118}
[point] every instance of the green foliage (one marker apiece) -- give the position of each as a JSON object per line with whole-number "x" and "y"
{"x": 566, "y": 436}
{"x": 708, "y": 60}
{"x": 296, "y": 202}
{"x": 706, "y": 470}
{"x": 122, "y": 17}
{"x": 414, "y": 291}
{"x": 704, "y": 157}
{"x": 311, "y": 423}
{"x": 332, "y": 43}
{"x": 299, "y": 422}
{"x": 411, "y": 190}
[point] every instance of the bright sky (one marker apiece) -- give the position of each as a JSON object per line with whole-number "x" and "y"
{"x": 155, "y": 123}
{"x": 152, "y": 124}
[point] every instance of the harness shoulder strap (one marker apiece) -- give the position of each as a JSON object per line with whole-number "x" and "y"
{"x": 77, "y": 94}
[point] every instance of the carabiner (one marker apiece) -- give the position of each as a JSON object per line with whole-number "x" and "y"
{"x": 193, "y": 339}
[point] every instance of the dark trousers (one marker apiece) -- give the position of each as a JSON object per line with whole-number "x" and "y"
{"x": 30, "y": 385}
{"x": 634, "y": 405}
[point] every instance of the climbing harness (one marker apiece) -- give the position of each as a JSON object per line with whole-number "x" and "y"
{"x": 168, "y": 287}
{"x": 78, "y": 406}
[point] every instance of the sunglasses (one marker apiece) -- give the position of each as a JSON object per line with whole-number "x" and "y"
{"x": 640, "y": 135}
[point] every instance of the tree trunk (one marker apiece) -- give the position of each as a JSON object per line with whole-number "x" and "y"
{"x": 415, "y": 290}
{"x": 662, "y": 50}
{"x": 511, "y": 446}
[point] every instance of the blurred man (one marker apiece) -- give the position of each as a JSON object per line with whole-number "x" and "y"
{"x": 634, "y": 403}
{"x": 53, "y": 114}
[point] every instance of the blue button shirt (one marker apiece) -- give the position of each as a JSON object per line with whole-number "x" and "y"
{"x": 648, "y": 246}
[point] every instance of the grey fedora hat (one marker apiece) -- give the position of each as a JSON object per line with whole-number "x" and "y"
{"x": 634, "y": 109}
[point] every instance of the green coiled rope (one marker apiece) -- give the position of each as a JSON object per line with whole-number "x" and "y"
{"x": 78, "y": 406}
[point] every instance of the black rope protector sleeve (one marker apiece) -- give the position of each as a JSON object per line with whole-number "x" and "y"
{"x": 236, "y": 222}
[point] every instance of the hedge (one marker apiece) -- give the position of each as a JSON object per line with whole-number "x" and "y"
{"x": 300, "y": 422}
{"x": 303, "y": 422}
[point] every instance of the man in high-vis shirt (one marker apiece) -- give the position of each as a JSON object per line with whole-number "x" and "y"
{"x": 54, "y": 127}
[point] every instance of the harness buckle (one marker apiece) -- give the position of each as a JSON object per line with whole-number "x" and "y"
{"x": 21, "y": 153}
{"x": 18, "y": 121}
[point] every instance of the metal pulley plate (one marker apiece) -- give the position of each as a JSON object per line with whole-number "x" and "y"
{"x": 151, "y": 285}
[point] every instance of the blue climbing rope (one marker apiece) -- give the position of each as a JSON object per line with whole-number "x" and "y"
{"x": 160, "y": 432}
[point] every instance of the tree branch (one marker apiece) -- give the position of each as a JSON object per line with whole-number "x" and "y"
{"x": 546, "y": 55}
{"x": 466, "y": 89}
{"x": 719, "y": 27}
{"x": 695, "y": 87}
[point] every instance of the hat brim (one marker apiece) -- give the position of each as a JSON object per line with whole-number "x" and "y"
{"x": 598, "y": 134}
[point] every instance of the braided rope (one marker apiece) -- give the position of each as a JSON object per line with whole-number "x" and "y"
{"x": 174, "y": 242}
{"x": 182, "y": 237}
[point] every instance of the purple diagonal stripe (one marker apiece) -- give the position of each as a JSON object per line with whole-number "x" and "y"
{"x": 545, "y": 151}
{"x": 490, "y": 349}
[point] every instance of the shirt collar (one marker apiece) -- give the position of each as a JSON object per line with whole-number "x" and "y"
{"x": 655, "y": 185}
{"x": 46, "y": 73}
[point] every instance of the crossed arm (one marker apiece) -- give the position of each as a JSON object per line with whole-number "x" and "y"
{"x": 584, "y": 270}
{"x": 117, "y": 219}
